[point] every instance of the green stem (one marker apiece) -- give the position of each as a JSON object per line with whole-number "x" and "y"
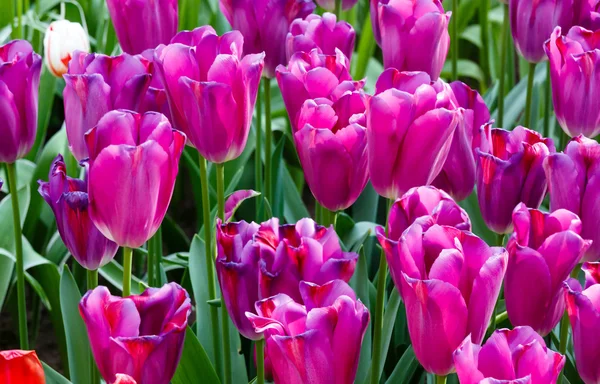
{"x": 503, "y": 59}
{"x": 260, "y": 361}
{"x": 366, "y": 48}
{"x": 221, "y": 191}
{"x": 92, "y": 282}
{"x": 338, "y": 9}
{"x": 454, "y": 39}
{"x": 527, "y": 120}
{"x": 11, "y": 171}
{"x": 501, "y": 317}
{"x": 564, "y": 339}
{"x": 19, "y": 19}
{"x": 318, "y": 213}
{"x": 127, "y": 259}
{"x": 564, "y": 139}
{"x": 151, "y": 252}
{"x": 258, "y": 155}
{"x": 440, "y": 379}
{"x": 268, "y": 139}
{"x": 548, "y": 104}
{"x": 224, "y": 314}
{"x": 484, "y": 9}
{"x": 494, "y": 319}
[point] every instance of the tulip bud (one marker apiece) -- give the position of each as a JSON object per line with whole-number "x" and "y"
{"x": 329, "y": 5}
{"x": 61, "y": 40}
{"x": 21, "y": 367}
{"x": 320, "y": 32}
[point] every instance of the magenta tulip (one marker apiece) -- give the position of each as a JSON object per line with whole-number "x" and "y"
{"x": 313, "y": 75}
{"x": 401, "y": 25}
{"x": 574, "y": 183}
{"x": 332, "y": 146}
{"x": 265, "y": 24}
{"x": 589, "y": 15}
{"x": 140, "y": 336}
{"x": 449, "y": 281}
{"x": 156, "y": 96}
{"x": 575, "y": 68}
{"x": 318, "y": 342}
{"x": 518, "y": 356}
{"x": 96, "y": 84}
{"x": 142, "y": 24}
{"x": 68, "y": 199}
{"x": 19, "y": 81}
{"x": 330, "y": 4}
{"x": 301, "y": 252}
{"x": 543, "y": 250}
{"x": 510, "y": 171}
{"x": 410, "y": 126}
{"x": 134, "y": 160}
{"x": 583, "y": 306}
{"x": 322, "y": 32}
{"x": 211, "y": 89}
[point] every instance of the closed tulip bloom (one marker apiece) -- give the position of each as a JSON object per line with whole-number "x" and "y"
{"x": 518, "y": 356}
{"x": 589, "y": 16}
{"x": 332, "y": 146}
{"x": 18, "y": 366}
{"x": 141, "y": 24}
{"x": 96, "y": 84}
{"x": 134, "y": 160}
{"x": 510, "y": 172}
{"x": 156, "y": 97}
{"x": 574, "y": 184}
{"x": 264, "y": 25}
{"x": 410, "y": 126}
{"x": 322, "y": 32}
{"x": 330, "y": 4}
{"x": 543, "y": 250}
{"x": 399, "y": 25}
{"x": 140, "y": 336}
{"x": 211, "y": 89}
{"x": 575, "y": 68}
{"x": 237, "y": 270}
{"x": 19, "y": 82}
{"x": 61, "y": 40}
{"x": 318, "y": 342}
{"x": 69, "y": 201}
{"x": 298, "y": 252}
{"x": 449, "y": 281}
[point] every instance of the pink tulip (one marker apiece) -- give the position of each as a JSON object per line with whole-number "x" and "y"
{"x": 320, "y": 32}
{"x": 518, "y": 356}
{"x": 543, "y": 251}
{"x": 589, "y": 15}
{"x": 134, "y": 160}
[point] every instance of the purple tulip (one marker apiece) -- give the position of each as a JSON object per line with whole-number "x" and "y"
{"x": 543, "y": 250}
{"x": 410, "y": 126}
{"x": 583, "y": 306}
{"x": 237, "y": 269}
{"x": 134, "y": 160}
{"x": 68, "y": 199}
{"x": 301, "y": 252}
{"x": 332, "y": 146}
{"x": 575, "y": 68}
{"x": 96, "y": 84}
{"x": 399, "y": 25}
{"x": 589, "y": 15}
{"x": 211, "y": 90}
{"x": 510, "y": 171}
{"x": 449, "y": 281}
{"x": 318, "y": 342}
{"x": 156, "y": 97}
{"x": 329, "y": 5}
{"x": 518, "y": 356}
{"x": 19, "y": 81}
{"x": 265, "y": 24}
{"x": 313, "y": 75}
{"x": 574, "y": 184}
{"x": 141, "y": 336}
{"x": 142, "y": 24}
{"x": 320, "y": 32}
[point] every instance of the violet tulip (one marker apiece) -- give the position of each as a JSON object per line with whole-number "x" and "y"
{"x": 140, "y": 336}
{"x": 322, "y": 32}
{"x": 449, "y": 281}
{"x": 543, "y": 250}
{"x": 237, "y": 270}
{"x": 96, "y": 84}
{"x": 518, "y": 356}
{"x": 265, "y": 24}
{"x": 329, "y": 5}
{"x": 211, "y": 89}
{"x": 156, "y": 97}
{"x": 574, "y": 184}
{"x": 312, "y": 75}
{"x": 583, "y": 306}
{"x": 304, "y": 251}
{"x": 19, "y": 81}
{"x": 410, "y": 126}
{"x": 589, "y": 15}
{"x": 510, "y": 171}
{"x": 141, "y": 24}
{"x": 134, "y": 160}
{"x": 318, "y": 342}
{"x": 68, "y": 199}
{"x": 332, "y": 146}
{"x": 401, "y": 25}
{"x": 575, "y": 68}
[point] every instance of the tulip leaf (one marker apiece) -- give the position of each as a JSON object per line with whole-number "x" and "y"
{"x": 478, "y": 227}
{"x": 6, "y": 268}
{"x": 47, "y": 86}
{"x": 25, "y": 170}
{"x": 405, "y": 369}
{"x": 194, "y": 366}
{"x": 360, "y": 283}
{"x": 53, "y": 377}
{"x": 235, "y": 200}
{"x": 293, "y": 207}
{"x": 277, "y": 202}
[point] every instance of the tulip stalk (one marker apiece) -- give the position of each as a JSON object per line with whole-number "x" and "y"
{"x": 258, "y": 154}
{"x": 268, "y": 139}
{"x": 547, "y": 104}
{"x": 11, "y": 172}
{"x": 338, "y": 9}
{"x": 527, "y": 120}
{"x": 454, "y": 39}
{"x": 503, "y": 60}
{"x": 19, "y": 19}
{"x": 563, "y": 339}
{"x": 484, "y": 9}
{"x": 92, "y": 282}
{"x": 127, "y": 263}
{"x": 260, "y": 361}
{"x": 440, "y": 379}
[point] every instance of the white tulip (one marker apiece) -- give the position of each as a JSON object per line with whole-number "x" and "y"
{"x": 63, "y": 37}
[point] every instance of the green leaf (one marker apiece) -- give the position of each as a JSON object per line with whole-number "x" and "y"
{"x": 293, "y": 209}
{"x": 7, "y": 233}
{"x": 47, "y": 86}
{"x": 405, "y": 369}
{"x": 194, "y": 365}
{"x": 25, "y": 170}
{"x": 466, "y": 68}
{"x": 7, "y": 264}
{"x": 53, "y": 377}
{"x": 360, "y": 283}
{"x": 278, "y": 188}
{"x": 39, "y": 290}
{"x": 471, "y": 205}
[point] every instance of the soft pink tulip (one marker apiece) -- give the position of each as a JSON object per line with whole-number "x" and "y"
{"x": 322, "y": 32}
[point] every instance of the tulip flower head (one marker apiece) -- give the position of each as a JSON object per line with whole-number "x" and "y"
{"x": 21, "y": 367}
{"x": 124, "y": 379}
{"x": 62, "y": 38}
